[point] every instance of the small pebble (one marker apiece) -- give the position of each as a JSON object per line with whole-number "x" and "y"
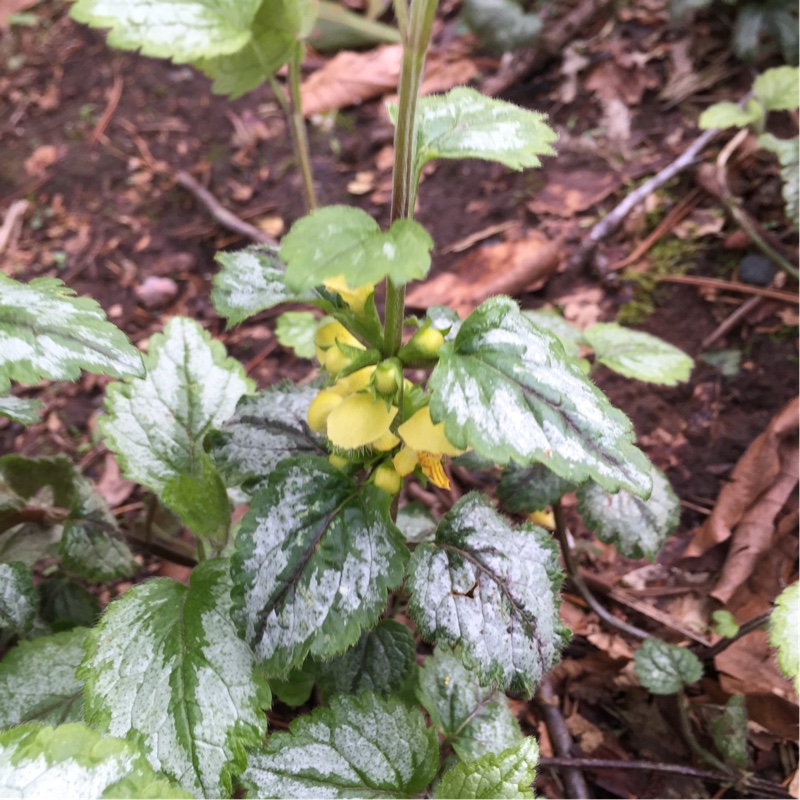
{"x": 757, "y": 270}
{"x": 155, "y": 292}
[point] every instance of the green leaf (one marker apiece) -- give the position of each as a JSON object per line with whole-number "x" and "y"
{"x": 415, "y": 522}
{"x": 525, "y": 489}
{"x": 156, "y": 424}
{"x": 66, "y": 604}
{"x": 165, "y": 669}
{"x": 509, "y": 774}
{"x": 501, "y": 25}
{"x": 638, "y": 355}
{"x": 183, "y": 30}
{"x": 359, "y": 747}
{"x": 475, "y": 720}
{"x": 506, "y": 388}
{"x": 296, "y": 330}
{"x": 729, "y": 731}
{"x": 725, "y": 623}
{"x": 677, "y": 8}
{"x": 746, "y": 40}
{"x": 728, "y": 362}
{"x": 384, "y": 661}
{"x": 466, "y": 124}
{"x": 778, "y": 88}
{"x": 730, "y": 115}
{"x": 783, "y": 624}
{"x": 570, "y": 336}
{"x": 25, "y": 412}
{"x": 344, "y": 240}
{"x": 251, "y": 280}
{"x": 19, "y": 600}
{"x": 665, "y": 668}
{"x": 74, "y": 761}
{"x": 338, "y": 28}
{"x": 491, "y": 588}
{"x": 38, "y": 683}
{"x": 315, "y": 558}
{"x": 296, "y": 688}
{"x": 638, "y": 528}
{"x": 788, "y": 152}
{"x": 265, "y": 429}
{"x": 48, "y": 334}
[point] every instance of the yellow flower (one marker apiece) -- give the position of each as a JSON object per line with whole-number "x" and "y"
{"x": 354, "y": 297}
{"x": 328, "y": 336}
{"x": 424, "y": 444}
{"x": 361, "y": 421}
{"x": 386, "y": 478}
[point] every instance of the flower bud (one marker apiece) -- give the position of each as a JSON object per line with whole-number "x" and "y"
{"x": 422, "y": 346}
{"x": 336, "y": 361}
{"x": 386, "y": 478}
{"x": 340, "y": 462}
{"x": 388, "y": 377}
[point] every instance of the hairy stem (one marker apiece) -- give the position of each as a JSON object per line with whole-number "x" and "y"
{"x": 298, "y": 125}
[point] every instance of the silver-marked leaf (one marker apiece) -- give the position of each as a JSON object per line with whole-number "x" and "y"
{"x": 156, "y": 424}
{"x": 638, "y": 528}
{"x": 570, "y": 336}
{"x": 466, "y": 124}
{"x": 266, "y": 428}
{"x": 38, "y": 683}
{"x": 783, "y": 632}
{"x": 296, "y": 330}
{"x": 729, "y": 731}
{"x": 359, "y": 747}
{"x": 166, "y": 669}
{"x": 638, "y": 355}
{"x": 664, "y": 668}
{"x": 345, "y": 240}
{"x": 788, "y": 152}
{"x": 384, "y": 661}
{"x": 251, "y": 280}
{"x": 506, "y": 388}
{"x": 507, "y": 775}
{"x": 476, "y": 720}
{"x": 46, "y": 333}
{"x": 183, "y": 30}
{"x": 491, "y": 588}
{"x": 526, "y": 489}
{"x": 72, "y": 760}
{"x": 18, "y": 409}
{"x": 416, "y": 522}
{"x": 316, "y": 556}
{"x": 501, "y": 25}
{"x": 19, "y": 599}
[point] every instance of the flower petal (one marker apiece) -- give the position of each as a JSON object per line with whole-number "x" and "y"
{"x": 432, "y": 469}
{"x": 354, "y": 382}
{"x": 358, "y": 421}
{"x": 354, "y": 297}
{"x": 421, "y": 434}
{"x": 405, "y": 461}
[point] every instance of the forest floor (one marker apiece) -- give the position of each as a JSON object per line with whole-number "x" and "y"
{"x": 92, "y": 140}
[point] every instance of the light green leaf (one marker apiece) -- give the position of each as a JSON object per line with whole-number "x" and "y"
{"x": 74, "y": 761}
{"x": 788, "y": 152}
{"x": 295, "y": 689}
{"x": 65, "y": 604}
{"x": 728, "y": 362}
{"x": 296, "y": 330}
{"x": 525, "y": 489}
{"x": 729, "y": 731}
{"x": 265, "y": 429}
{"x": 665, "y": 668}
{"x": 570, "y": 336}
{"x": 475, "y": 720}
{"x": 315, "y": 558}
{"x": 501, "y": 25}
{"x": 338, "y": 28}
{"x": 46, "y": 333}
{"x": 466, "y": 124}
{"x": 778, "y": 88}
{"x": 783, "y": 625}
{"x": 25, "y": 412}
{"x": 638, "y": 528}
{"x": 19, "y": 599}
{"x": 491, "y": 588}
{"x": 730, "y": 115}
{"x": 183, "y": 30}
{"x": 506, "y": 388}
{"x": 156, "y": 424}
{"x": 384, "y": 661}
{"x": 747, "y": 32}
{"x": 251, "y": 280}
{"x": 509, "y": 774}
{"x": 345, "y": 240}
{"x": 359, "y": 747}
{"x": 638, "y": 355}
{"x": 166, "y": 669}
{"x": 38, "y": 683}
{"x": 725, "y": 623}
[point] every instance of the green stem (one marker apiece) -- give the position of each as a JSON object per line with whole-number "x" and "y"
{"x": 688, "y": 735}
{"x": 298, "y": 126}
{"x": 202, "y": 555}
{"x": 405, "y": 177}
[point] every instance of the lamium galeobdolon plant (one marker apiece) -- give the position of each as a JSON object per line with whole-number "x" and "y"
{"x": 166, "y": 694}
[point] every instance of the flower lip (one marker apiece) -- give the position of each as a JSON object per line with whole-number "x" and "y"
{"x": 421, "y": 434}
{"x": 359, "y": 420}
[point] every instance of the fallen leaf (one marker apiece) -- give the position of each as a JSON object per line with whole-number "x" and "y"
{"x": 112, "y": 486}
{"x": 568, "y": 191}
{"x": 155, "y": 292}
{"x": 40, "y": 159}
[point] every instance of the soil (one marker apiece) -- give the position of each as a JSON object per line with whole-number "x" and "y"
{"x": 106, "y": 214}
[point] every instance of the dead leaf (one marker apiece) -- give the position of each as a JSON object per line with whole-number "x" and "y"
{"x": 758, "y": 469}
{"x": 363, "y": 183}
{"x": 503, "y": 268}
{"x": 589, "y": 736}
{"x": 40, "y": 159}
{"x": 11, "y": 7}
{"x": 350, "y": 78}
{"x": 570, "y": 190}
{"x": 155, "y": 292}
{"x": 112, "y": 487}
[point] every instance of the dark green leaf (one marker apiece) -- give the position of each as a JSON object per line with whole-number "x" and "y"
{"x": 65, "y": 604}
{"x": 501, "y": 25}
{"x": 296, "y": 688}
{"x": 526, "y": 489}
{"x": 730, "y": 731}
{"x": 665, "y": 668}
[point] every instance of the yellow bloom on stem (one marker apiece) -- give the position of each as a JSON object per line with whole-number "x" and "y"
{"x": 331, "y": 334}
{"x": 354, "y": 297}
{"x": 424, "y": 444}
{"x": 361, "y": 421}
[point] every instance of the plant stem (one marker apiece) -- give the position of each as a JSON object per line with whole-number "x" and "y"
{"x": 688, "y": 735}
{"x": 580, "y": 585}
{"x": 746, "y": 627}
{"x": 202, "y": 555}
{"x": 298, "y": 126}
{"x": 405, "y": 176}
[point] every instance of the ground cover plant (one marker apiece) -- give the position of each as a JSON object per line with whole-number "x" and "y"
{"x": 166, "y": 694}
